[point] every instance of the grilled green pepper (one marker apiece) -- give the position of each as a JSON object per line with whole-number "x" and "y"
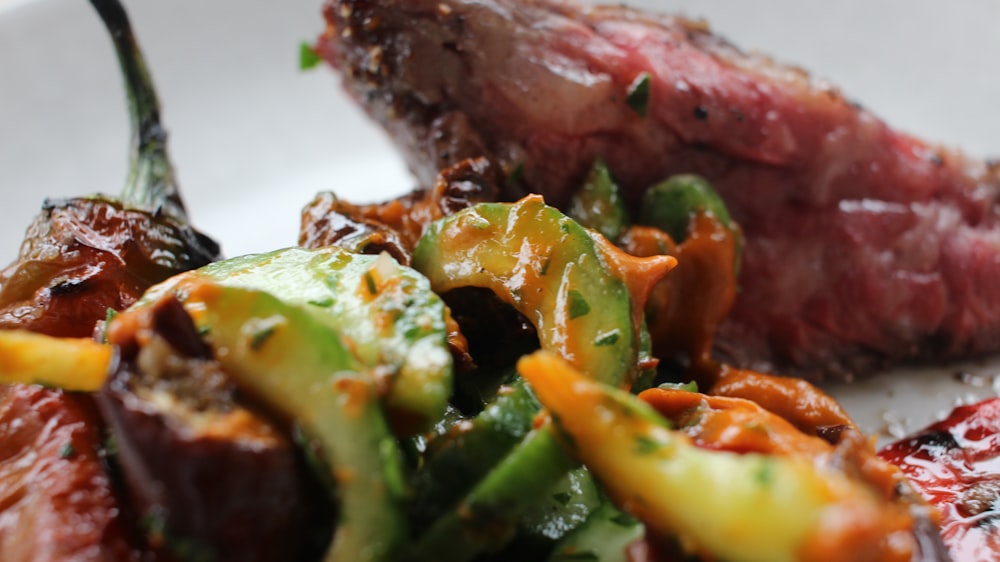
{"x": 85, "y": 255}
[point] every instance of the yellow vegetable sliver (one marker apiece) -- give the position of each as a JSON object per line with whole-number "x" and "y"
{"x": 737, "y": 507}
{"x": 76, "y": 364}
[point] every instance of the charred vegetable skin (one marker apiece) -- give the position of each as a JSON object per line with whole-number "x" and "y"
{"x": 396, "y": 226}
{"x": 84, "y": 256}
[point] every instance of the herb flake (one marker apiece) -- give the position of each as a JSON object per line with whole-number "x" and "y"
{"x": 577, "y": 304}
{"x": 67, "y": 450}
{"x": 624, "y": 520}
{"x": 370, "y": 283}
{"x": 638, "y": 94}
{"x": 690, "y": 386}
{"x": 645, "y": 446}
{"x": 308, "y": 57}
{"x": 764, "y": 474}
{"x": 608, "y": 338}
{"x": 322, "y": 303}
{"x": 260, "y": 337}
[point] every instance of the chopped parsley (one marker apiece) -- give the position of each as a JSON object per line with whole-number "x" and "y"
{"x": 645, "y": 446}
{"x": 67, "y": 450}
{"x": 260, "y": 337}
{"x": 308, "y": 57}
{"x": 322, "y": 303}
{"x": 578, "y": 305}
{"x": 638, "y": 94}
{"x": 624, "y": 520}
{"x": 370, "y": 282}
{"x": 607, "y": 338}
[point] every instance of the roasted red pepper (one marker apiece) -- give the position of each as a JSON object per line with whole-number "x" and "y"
{"x": 955, "y": 465}
{"x": 83, "y": 256}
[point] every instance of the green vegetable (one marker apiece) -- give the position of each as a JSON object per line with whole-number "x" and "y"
{"x": 567, "y": 280}
{"x": 487, "y": 517}
{"x": 567, "y": 506}
{"x": 394, "y": 323}
{"x": 603, "y": 537}
{"x": 578, "y": 290}
{"x": 671, "y": 204}
{"x": 317, "y": 335}
{"x": 466, "y": 452}
{"x": 305, "y": 371}
{"x": 638, "y": 94}
{"x": 598, "y": 204}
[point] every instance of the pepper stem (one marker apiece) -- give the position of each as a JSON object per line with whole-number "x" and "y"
{"x": 150, "y": 184}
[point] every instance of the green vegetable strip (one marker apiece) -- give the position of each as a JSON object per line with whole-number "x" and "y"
{"x": 488, "y": 515}
{"x": 463, "y": 456}
{"x": 671, "y": 204}
{"x": 568, "y": 505}
{"x": 150, "y": 185}
{"x": 603, "y": 537}
{"x": 598, "y": 204}
{"x": 303, "y": 371}
{"x": 638, "y": 94}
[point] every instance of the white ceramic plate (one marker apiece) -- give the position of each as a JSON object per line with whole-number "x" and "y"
{"x": 253, "y": 138}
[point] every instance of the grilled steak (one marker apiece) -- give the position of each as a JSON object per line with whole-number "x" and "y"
{"x": 865, "y": 246}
